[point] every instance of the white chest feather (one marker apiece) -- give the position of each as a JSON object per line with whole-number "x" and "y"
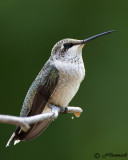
{"x": 70, "y": 77}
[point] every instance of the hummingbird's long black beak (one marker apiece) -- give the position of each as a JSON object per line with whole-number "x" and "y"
{"x": 96, "y": 36}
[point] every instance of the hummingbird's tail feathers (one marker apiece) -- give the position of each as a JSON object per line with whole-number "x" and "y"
{"x": 12, "y": 138}
{"x": 16, "y": 141}
{"x": 34, "y": 131}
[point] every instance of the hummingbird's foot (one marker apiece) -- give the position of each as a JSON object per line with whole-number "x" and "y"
{"x": 63, "y": 110}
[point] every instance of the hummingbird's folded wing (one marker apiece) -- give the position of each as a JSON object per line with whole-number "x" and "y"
{"x": 44, "y": 92}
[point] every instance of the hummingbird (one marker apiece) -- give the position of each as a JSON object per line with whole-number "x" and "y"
{"x": 56, "y": 84}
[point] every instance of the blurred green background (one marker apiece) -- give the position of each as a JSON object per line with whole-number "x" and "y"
{"x": 28, "y": 31}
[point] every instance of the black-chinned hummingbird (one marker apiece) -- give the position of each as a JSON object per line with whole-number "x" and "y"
{"x": 57, "y": 83}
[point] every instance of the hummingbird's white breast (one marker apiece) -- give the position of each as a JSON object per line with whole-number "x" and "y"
{"x": 70, "y": 76}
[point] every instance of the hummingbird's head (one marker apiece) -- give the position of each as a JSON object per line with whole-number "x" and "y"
{"x": 71, "y": 47}
{"x": 67, "y": 47}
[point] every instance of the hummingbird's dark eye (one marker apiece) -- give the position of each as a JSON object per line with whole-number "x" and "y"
{"x": 68, "y": 45}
